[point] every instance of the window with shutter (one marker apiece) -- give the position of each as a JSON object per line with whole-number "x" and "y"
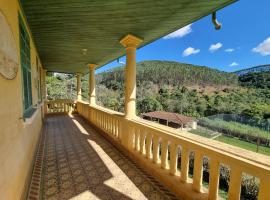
{"x": 26, "y": 68}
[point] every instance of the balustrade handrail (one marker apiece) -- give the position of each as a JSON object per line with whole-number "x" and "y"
{"x": 59, "y": 106}
{"x": 60, "y": 100}
{"x": 206, "y": 143}
{"x": 151, "y": 143}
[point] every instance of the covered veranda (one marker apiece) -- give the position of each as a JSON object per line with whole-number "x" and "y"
{"x": 111, "y": 155}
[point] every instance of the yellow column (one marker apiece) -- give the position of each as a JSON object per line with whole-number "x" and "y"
{"x": 92, "y": 85}
{"x": 79, "y": 87}
{"x": 130, "y": 42}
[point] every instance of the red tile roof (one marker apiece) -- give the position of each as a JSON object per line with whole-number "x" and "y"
{"x": 171, "y": 117}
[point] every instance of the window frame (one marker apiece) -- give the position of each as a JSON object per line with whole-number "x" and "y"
{"x": 26, "y": 69}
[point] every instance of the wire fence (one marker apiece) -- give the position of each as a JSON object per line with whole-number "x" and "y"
{"x": 263, "y": 124}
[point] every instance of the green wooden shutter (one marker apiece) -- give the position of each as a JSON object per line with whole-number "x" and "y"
{"x": 26, "y": 67}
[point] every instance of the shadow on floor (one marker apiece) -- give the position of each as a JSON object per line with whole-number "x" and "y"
{"x": 81, "y": 164}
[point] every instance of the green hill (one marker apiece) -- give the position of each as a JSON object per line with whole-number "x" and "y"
{"x": 171, "y": 73}
{"x": 175, "y": 87}
{"x": 183, "y": 88}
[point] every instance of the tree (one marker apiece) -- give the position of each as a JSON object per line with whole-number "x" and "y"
{"x": 148, "y": 104}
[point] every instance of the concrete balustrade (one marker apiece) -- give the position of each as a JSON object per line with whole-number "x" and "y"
{"x": 59, "y": 106}
{"x": 159, "y": 149}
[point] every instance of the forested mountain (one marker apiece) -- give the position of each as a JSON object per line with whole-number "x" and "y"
{"x": 255, "y": 80}
{"x": 175, "y": 87}
{"x": 171, "y": 73}
{"x": 256, "y": 69}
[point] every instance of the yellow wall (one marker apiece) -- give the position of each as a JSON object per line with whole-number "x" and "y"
{"x": 18, "y": 139}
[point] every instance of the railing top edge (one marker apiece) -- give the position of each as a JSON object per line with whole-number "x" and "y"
{"x": 109, "y": 111}
{"x": 237, "y": 153}
{"x": 61, "y": 100}
{"x": 82, "y": 101}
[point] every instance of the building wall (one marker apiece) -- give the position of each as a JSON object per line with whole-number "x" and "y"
{"x": 18, "y": 137}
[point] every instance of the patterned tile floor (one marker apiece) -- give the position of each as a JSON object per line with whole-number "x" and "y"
{"x": 79, "y": 163}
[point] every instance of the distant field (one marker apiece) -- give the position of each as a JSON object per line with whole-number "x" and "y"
{"x": 235, "y": 128}
{"x": 232, "y": 141}
{"x": 242, "y": 144}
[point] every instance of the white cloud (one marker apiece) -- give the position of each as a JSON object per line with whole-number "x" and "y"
{"x": 229, "y": 50}
{"x": 263, "y": 48}
{"x": 215, "y": 47}
{"x": 180, "y": 32}
{"x": 189, "y": 51}
{"x": 233, "y": 64}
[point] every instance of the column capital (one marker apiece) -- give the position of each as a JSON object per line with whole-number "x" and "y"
{"x": 131, "y": 41}
{"x": 92, "y": 66}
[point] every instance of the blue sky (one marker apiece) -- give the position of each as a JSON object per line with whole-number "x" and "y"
{"x": 242, "y": 42}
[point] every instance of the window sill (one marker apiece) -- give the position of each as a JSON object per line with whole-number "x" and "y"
{"x": 30, "y": 116}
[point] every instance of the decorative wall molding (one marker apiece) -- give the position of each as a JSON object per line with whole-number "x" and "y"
{"x": 9, "y": 59}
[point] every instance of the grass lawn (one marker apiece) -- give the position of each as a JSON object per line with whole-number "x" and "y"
{"x": 202, "y": 132}
{"x": 243, "y": 144}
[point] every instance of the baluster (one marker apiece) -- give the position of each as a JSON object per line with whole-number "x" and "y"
{"x": 119, "y": 130}
{"x": 197, "y": 172}
{"x": 142, "y": 142}
{"x": 112, "y": 125}
{"x": 213, "y": 180}
{"x": 112, "y": 128}
{"x": 235, "y": 183}
{"x": 156, "y": 149}
{"x": 137, "y": 139}
{"x": 105, "y": 122}
{"x": 109, "y": 124}
{"x": 173, "y": 158}
{"x": 184, "y": 164}
{"x": 148, "y": 145}
{"x": 99, "y": 119}
{"x": 115, "y": 127}
{"x": 264, "y": 191}
{"x": 164, "y": 153}
{"x": 93, "y": 116}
